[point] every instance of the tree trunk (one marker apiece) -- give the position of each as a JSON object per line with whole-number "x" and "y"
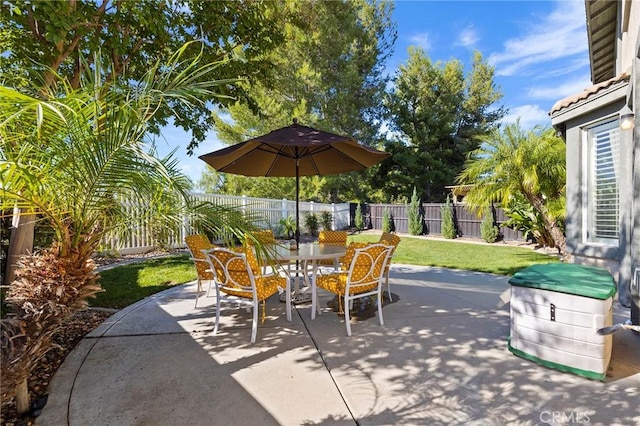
{"x": 560, "y": 240}
{"x": 20, "y": 242}
{"x": 551, "y": 226}
{"x": 22, "y": 397}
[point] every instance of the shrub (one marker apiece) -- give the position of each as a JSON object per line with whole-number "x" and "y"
{"x": 488, "y": 230}
{"x": 448, "y": 225}
{"x": 287, "y": 227}
{"x": 414, "y": 216}
{"x": 311, "y": 223}
{"x": 359, "y": 219}
{"x": 326, "y": 219}
{"x": 387, "y": 225}
{"x": 523, "y": 217}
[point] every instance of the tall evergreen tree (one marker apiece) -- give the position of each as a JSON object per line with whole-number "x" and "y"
{"x": 437, "y": 113}
{"x": 329, "y": 74}
{"x": 414, "y": 215}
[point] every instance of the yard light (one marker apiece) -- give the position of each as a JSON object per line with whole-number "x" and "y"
{"x": 627, "y": 118}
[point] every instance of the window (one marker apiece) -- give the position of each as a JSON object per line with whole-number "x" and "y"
{"x": 601, "y": 210}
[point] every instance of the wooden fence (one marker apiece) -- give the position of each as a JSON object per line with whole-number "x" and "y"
{"x": 467, "y": 221}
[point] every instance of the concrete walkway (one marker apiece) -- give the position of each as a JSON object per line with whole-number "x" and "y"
{"x": 440, "y": 359}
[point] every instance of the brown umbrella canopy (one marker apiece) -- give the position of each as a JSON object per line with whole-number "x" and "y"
{"x": 315, "y": 152}
{"x": 294, "y": 150}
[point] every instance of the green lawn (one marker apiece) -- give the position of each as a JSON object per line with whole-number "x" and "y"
{"x": 127, "y": 284}
{"x": 494, "y": 258}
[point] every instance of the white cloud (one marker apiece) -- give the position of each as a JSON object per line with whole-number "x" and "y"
{"x": 560, "y": 34}
{"x": 422, "y": 40}
{"x": 570, "y": 87}
{"x": 529, "y": 115}
{"x": 468, "y": 37}
{"x": 568, "y": 67}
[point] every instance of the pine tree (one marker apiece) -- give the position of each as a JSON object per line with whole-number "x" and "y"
{"x": 414, "y": 216}
{"x": 386, "y": 220}
{"x": 488, "y": 229}
{"x": 448, "y": 225}
{"x": 359, "y": 219}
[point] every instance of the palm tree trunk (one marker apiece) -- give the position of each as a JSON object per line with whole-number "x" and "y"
{"x": 20, "y": 242}
{"x": 551, "y": 226}
{"x": 22, "y": 397}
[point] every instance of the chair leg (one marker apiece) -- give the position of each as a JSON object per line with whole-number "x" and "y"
{"x": 347, "y": 320}
{"x": 198, "y": 288}
{"x": 209, "y": 289}
{"x": 386, "y": 284}
{"x": 254, "y": 325}
{"x": 314, "y": 300}
{"x": 288, "y": 301}
{"x": 215, "y": 327}
{"x": 380, "y": 319}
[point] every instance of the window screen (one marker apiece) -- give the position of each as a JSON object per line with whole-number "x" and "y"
{"x": 603, "y": 157}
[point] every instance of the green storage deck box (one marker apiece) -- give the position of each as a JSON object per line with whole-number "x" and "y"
{"x": 556, "y": 310}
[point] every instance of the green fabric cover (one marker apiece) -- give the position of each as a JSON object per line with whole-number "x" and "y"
{"x": 587, "y": 281}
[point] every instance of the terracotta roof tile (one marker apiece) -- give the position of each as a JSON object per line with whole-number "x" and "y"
{"x": 563, "y": 103}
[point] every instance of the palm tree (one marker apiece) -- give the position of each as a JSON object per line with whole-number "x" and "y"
{"x": 72, "y": 159}
{"x": 513, "y": 165}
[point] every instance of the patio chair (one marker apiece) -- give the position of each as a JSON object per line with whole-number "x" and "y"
{"x": 239, "y": 280}
{"x": 335, "y": 238}
{"x": 266, "y": 238}
{"x": 391, "y": 240}
{"x": 196, "y": 243}
{"x": 363, "y": 279}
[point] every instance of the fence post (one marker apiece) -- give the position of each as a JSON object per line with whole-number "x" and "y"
{"x": 285, "y": 214}
{"x": 244, "y": 204}
{"x": 185, "y": 230}
{"x": 333, "y": 216}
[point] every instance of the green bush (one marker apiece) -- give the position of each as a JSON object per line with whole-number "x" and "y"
{"x": 414, "y": 216}
{"x": 488, "y": 230}
{"x": 359, "y": 219}
{"x": 326, "y": 219}
{"x": 523, "y": 217}
{"x": 311, "y": 223}
{"x": 387, "y": 225}
{"x": 287, "y": 227}
{"x": 448, "y": 225}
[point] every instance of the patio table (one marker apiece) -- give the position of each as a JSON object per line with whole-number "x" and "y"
{"x": 308, "y": 253}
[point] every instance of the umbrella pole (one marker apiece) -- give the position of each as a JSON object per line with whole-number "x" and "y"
{"x": 297, "y": 205}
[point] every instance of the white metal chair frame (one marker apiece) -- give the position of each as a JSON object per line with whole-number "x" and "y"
{"x": 375, "y": 275}
{"x": 225, "y": 282}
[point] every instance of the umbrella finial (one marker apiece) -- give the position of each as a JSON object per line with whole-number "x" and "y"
{"x": 295, "y": 120}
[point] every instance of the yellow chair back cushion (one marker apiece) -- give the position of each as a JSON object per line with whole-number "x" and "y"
{"x": 197, "y": 243}
{"x": 333, "y": 237}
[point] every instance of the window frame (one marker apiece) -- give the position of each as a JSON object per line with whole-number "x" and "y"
{"x": 589, "y": 221}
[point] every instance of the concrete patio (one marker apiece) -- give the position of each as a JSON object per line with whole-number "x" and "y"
{"x": 440, "y": 359}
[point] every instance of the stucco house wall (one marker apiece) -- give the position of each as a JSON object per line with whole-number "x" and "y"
{"x": 573, "y": 116}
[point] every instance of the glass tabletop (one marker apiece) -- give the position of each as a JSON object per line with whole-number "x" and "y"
{"x": 311, "y": 251}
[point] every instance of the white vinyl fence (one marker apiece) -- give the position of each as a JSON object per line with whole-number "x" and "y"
{"x": 142, "y": 238}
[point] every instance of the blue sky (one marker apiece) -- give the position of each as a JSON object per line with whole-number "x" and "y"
{"x": 538, "y": 48}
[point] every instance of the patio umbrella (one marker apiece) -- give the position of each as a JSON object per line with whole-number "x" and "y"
{"x": 294, "y": 150}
